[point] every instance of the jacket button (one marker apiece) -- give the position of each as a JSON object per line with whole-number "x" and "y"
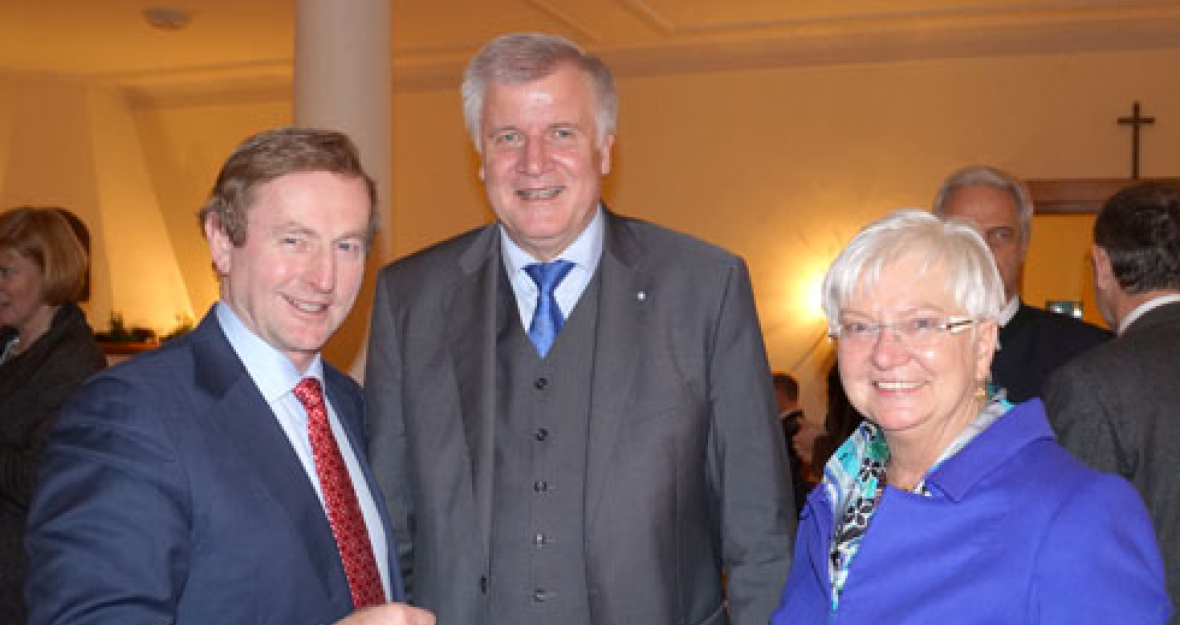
{"x": 541, "y": 383}
{"x": 541, "y": 435}
{"x": 540, "y": 486}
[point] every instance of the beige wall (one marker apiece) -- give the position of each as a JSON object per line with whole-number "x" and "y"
{"x": 780, "y": 166}
{"x": 783, "y": 166}
{"x": 72, "y": 144}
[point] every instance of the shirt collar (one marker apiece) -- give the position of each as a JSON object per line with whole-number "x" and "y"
{"x": 1143, "y": 308}
{"x": 1009, "y": 311}
{"x": 584, "y": 251}
{"x": 272, "y": 371}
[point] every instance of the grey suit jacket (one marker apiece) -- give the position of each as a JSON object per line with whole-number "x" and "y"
{"x": 1117, "y": 408}
{"x": 685, "y": 465}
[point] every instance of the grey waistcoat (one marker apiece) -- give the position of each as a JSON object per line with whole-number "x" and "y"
{"x": 538, "y": 564}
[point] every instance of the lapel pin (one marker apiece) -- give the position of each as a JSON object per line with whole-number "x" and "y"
{"x": 641, "y": 296}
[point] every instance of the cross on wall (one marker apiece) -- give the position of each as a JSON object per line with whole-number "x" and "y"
{"x": 1135, "y": 121}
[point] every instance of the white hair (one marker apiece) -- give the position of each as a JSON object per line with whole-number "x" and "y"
{"x": 954, "y": 245}
{"x": 996, "y": 178}
{"x": 525, "y": 57}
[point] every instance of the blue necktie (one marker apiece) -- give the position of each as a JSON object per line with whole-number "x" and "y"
{"x": 547, "y": 319}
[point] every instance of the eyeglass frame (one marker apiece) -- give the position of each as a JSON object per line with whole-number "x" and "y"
{"x": 952, "y": 324}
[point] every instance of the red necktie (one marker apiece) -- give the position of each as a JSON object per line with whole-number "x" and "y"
{"x": 344, "y": 513}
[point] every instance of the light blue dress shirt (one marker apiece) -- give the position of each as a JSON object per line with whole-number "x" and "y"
{"x": 584, "y": 253}
{"x": 275, "y": 376}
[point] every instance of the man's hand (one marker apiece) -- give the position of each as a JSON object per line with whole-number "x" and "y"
{"x": 389, "y": 614}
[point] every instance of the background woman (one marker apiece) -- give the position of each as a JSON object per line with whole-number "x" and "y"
{"x": 840, "y": 421}
{"x": 46, "y": 351}
{"x": 947, "y": 505}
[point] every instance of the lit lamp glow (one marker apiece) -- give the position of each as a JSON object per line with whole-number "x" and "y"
{"x": 810, "y": 308}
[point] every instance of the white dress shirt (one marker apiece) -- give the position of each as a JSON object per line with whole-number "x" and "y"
{"x": 1142, "y": 309}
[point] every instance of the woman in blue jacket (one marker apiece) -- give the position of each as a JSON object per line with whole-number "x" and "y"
{"x": 948, "y": 505}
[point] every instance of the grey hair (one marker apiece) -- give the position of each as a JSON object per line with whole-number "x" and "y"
{"x": 955, "y": 245}
{"x": 524, "y": 57}
{"x": 987, "y": 176}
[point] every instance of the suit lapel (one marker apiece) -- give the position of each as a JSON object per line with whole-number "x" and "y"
{"x": 247, "y": 424}
{"x": 623, "y": 290}
{"x": 473, "y": 323}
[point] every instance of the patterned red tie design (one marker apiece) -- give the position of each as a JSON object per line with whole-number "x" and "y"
{"x": 344, "y": 513}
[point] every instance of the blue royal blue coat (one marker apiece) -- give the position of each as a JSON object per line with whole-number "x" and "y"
{"x": 1017, "y": 531}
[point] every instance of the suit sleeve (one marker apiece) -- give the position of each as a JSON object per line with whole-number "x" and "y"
{"x": 109, "y": 526}
{"x": 1077, "y": 407}
{"x": 1099, "y": 562}
{"x": 749, "y": 472}
{"x": 387, "y": 435}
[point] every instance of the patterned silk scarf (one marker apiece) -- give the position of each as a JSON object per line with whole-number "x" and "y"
{"x": 854, "y": 480}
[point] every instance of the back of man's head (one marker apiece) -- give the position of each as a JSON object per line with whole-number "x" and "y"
{"x": 786, "y": 384}
{"x": 1139, "y": 229}
{"x": 786, "y": 392}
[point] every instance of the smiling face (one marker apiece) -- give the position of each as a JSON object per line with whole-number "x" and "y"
{"x": 922, "y": 392}
{"x": 22, "y": 302}
{"x": 541, "y": 164}
{"x": 995, "y": 213}
{"x": 296, "y": 277}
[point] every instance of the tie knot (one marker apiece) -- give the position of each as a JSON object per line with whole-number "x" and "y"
{"x": 548, "y": 275}
{"x": 309, "y": 393}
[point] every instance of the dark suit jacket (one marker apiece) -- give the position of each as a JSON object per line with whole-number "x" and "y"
{"x": 685, "y": 461}
{"x": 33, "y": 386}
{"x": 170, "y": 494}
{"x": 1117, "y": 408}
{"x": 1033, "y": 344}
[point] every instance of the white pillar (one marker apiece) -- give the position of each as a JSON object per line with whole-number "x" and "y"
{"x": 343, "y": 81}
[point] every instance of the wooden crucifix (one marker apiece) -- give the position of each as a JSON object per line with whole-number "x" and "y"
{"x": 1135, "y": 121}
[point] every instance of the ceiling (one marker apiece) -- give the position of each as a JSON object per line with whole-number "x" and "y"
{"x": 246, "y": 39}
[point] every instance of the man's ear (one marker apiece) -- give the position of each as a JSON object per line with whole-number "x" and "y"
{"x": 1103, "y": 273}
{"x": 219, "y": 244}
{"x": 604, "y": 154}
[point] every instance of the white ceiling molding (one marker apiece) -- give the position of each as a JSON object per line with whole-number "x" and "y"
{"x": 237, "y": 57}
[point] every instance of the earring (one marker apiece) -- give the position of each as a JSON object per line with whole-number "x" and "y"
{"x": 981, "y": 391}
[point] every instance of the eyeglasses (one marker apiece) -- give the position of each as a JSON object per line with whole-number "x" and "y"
{"x": 916, "y": 332}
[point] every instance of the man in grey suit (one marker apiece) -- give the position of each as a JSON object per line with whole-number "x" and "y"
{"x": 571, "y": 410}
{"x": 1117, "y": 407}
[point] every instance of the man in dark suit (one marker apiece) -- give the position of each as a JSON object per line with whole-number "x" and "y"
{"x": 210, "y": 481}
{"x": 598, "y": 452}
{"x": 1033, "y": 342}
{"x": 1117, "y": 407}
